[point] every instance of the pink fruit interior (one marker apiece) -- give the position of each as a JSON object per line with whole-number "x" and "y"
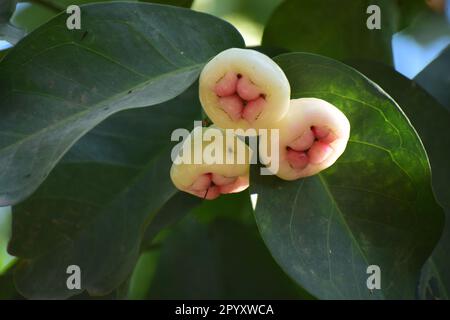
{"x": 211, "y": 185}
{"x": 239, "y": 97}
{"x": 312, "y": 147}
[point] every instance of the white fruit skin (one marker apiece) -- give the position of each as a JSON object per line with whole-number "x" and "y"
{"x": 184, "y": 175}
{"x": 304, "y": 113}
{"x": 263, "y": 72}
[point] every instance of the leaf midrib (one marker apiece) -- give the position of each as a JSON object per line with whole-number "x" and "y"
{"x": 345, "y": 223}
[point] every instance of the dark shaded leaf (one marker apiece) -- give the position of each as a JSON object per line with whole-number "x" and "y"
{"x": 57, "y": 84}
{"x": 93, "y": 209}
{"x": 334, "y": 28}
{"x": 236, "y": 206}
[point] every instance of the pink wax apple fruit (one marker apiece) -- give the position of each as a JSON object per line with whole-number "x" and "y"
{"x": 313, "y": 135}
{"x": 220, "y": 169}
{"x": 243, "y": 89}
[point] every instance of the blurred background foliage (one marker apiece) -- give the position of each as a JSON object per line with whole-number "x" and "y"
{"x": 216, "y": 250}
{"x": 422, "y": 35}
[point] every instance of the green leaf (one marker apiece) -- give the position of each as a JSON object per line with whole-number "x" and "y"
{"x": 57, "y": 84}
{"x": 143, "y": 274}
{"x": 374, "y": 206}
{"x": 223, "y": 259}
{"x": 333, "y": 28}
{"x": 435, "y": 78}
{"x": 7, "y": 8}
{"x": 93, "y": 209}
{"x": 429, "y": 118}
{"x": 432, "y": 122}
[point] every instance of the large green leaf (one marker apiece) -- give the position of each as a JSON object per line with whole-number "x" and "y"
{"x": 375, "y": 206}
{"x": 94, "y": 208}
{"x": 429, "y": 118}
{"x": 57, "y": 83}
{"x": 334, "y": 28}
{"x": 432, "y": 122}
{"x": 435, "y": 78}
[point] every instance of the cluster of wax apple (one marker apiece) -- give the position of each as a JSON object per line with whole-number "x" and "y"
{"x": 244, "y": 89}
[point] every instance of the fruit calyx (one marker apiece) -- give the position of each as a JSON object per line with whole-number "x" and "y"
{"x": 240, "y": 97}
{"x": 313, "y": 146}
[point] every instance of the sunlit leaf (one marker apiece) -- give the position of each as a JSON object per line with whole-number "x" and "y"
{"x": 375, "y": 206}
